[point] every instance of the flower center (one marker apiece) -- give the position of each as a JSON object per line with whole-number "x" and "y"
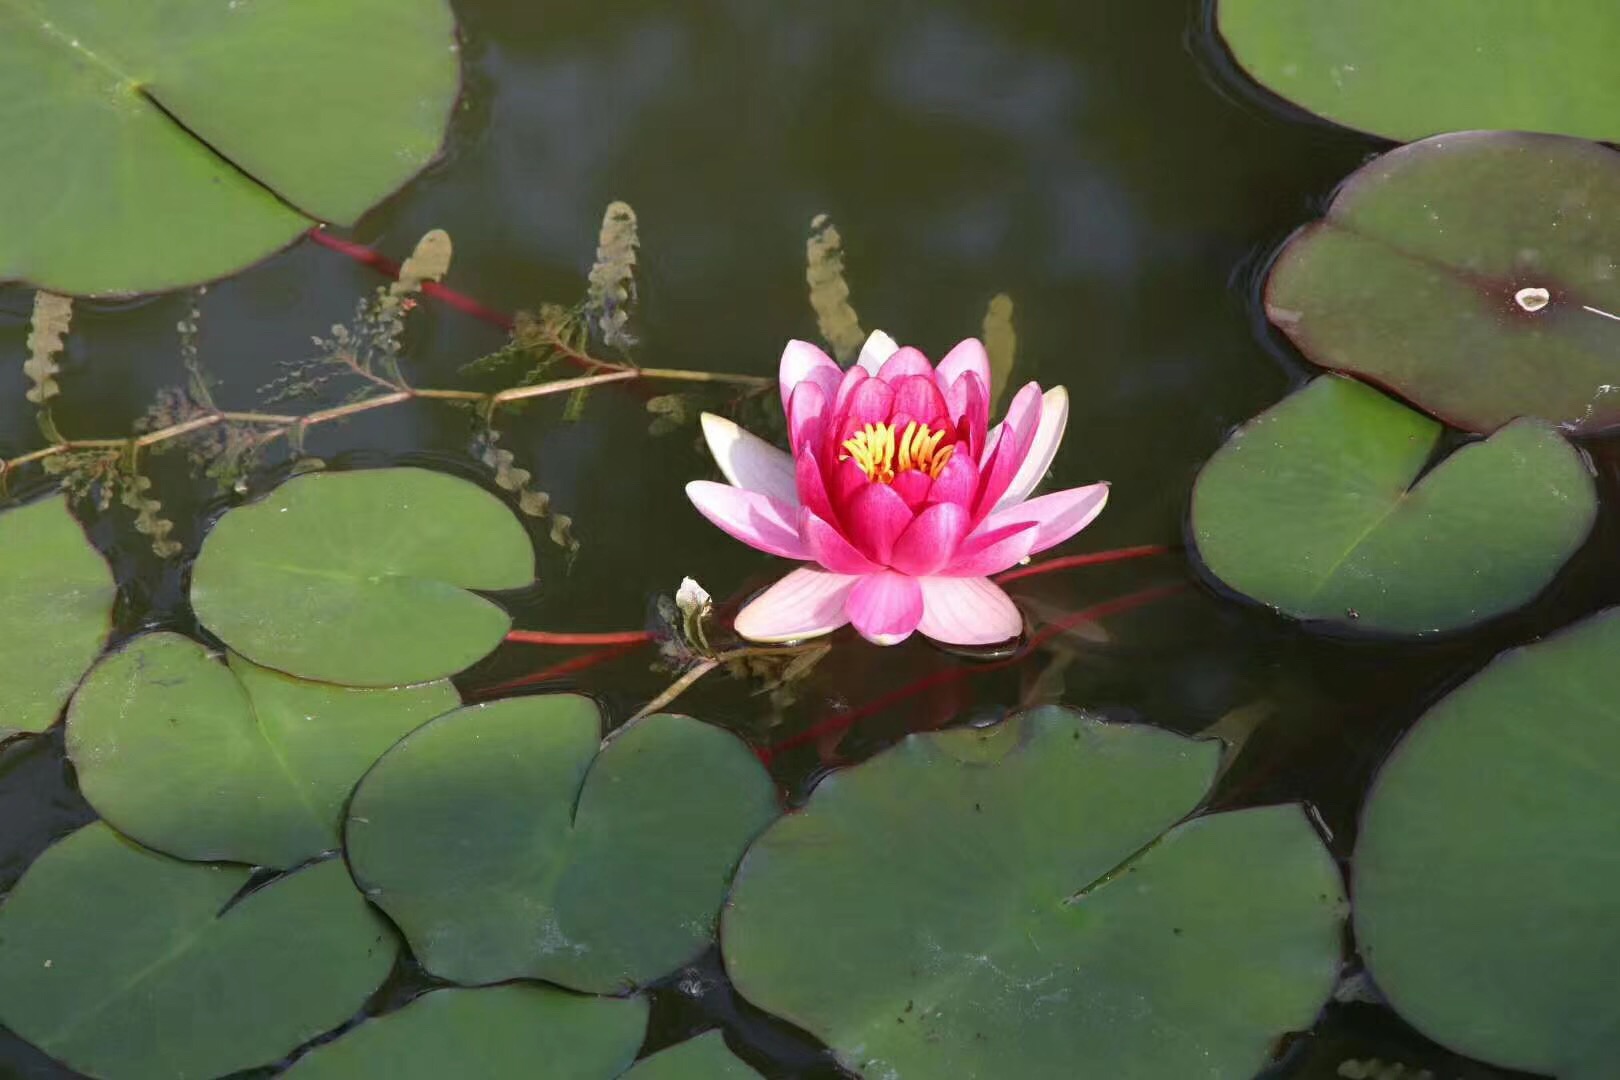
{"x": 881, "y": 454}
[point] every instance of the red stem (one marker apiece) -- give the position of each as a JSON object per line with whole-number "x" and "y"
{"x": 459, "y": 301}
{"x": 557, "y": 671}
{"x": 1116, "y": 606}
{"x": 1069, "y": 562}
{"x": 547, "y": 637}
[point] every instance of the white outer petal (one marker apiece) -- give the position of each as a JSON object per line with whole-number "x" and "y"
{"x": 1048, "y": 437}
{"x": 748, "y": 461}
{"x": 967, "y": 611}
{"x": 878, "y": 348}
{"x": 807, "y": 603}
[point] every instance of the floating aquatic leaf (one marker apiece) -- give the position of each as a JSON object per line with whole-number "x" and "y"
{"x": 1019, "y": 901}
{"x": 204, "y": 760}
{"x": 509, "y": 476}
{"x": 703, "y": 1058}
{"x": 214, "y": 132}
{"x": 58, "y": 611}
{"x": 49, "y": 325}
{"x": 1001, "y": 343}
{"x": 1316, "y": 507}
{"x": 1486, "y": 861}
{"x": 126, "y": 964}
{"x": 612, "y": 280}
{"x": 515, "y": 1032}
{"x": 361, "y": 577}
{"x": 1404, "y": 70}
{"x": 428, "y": 261}
{"x": 134, "y": 491}
{"x": 829, "y": 293}
{"x": 505, "y": 845}
{"x": 1474, "y": 274}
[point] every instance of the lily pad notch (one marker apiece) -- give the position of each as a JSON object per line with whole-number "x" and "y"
{"x": 510, "y": 841}
{"x": 365, "y": 577}
{"x": 1038, "y": 897}
{"x": 1474, "y": 274}
{"x": 218, "y": 132}
{"x": 1321, "y": 509}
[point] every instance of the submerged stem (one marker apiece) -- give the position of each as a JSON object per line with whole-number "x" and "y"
{"x": 676, "y": 688}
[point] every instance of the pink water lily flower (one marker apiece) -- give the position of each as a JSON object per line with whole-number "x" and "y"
{"x": 898, "y": 492}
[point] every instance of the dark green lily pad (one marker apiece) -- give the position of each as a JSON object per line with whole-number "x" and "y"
{"x": 1315, "y": 507}
{"x": 58, "y": 611}
{"x": 1489, "y": 860}
{"x": 205, "y": 135}
{"x": 506, "y": 846}
{"x": 361, "y": 578}
{"x": 517, "y": 1032}
{"x": 1475, "y": 275}
{"x": 128, "y": 964}
{"x": 1404, "y": 70}
{"x": 1020, "y": 901}
{"x": 703, "y": 1058}
{"x": 204, "y": 761}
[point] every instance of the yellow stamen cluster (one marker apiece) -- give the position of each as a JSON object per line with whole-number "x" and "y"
{"x": 880, "y": 454}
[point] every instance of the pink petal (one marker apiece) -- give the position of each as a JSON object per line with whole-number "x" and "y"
{"x": 848, "y": 481}
{"x": 802, "y": 361}
{"x": 846, "y": 386}
{"x": 930, "y": 540}
{"x": 967, "y": 611}
{"x": 1056, "y": 517}
{"x": 810, "y": 487}
{"x": 904, "y": 362}
{"x": 1043, "y": 448}
{"x": 969, "y": 405}
{"x": 870, "y": 403}
{"x": 913, "y": 486}
{"x": 806, "y": 413}
{"x": 874, "y": 520}
{"x": 1011, "y": 449}
{"x": 757, "y": 520}
{"x": 958, "y": 481}
{"x": 990, "y": 551}
{"x": 805, "y": 604}
{"x": 878, "y": 348}
{"x": 829, "y": 548}
{"x": 885, "y": 607}
{"x": 748, "y": 461}
{"x": 968, "y": 358}
{"x": 919, "y": 399}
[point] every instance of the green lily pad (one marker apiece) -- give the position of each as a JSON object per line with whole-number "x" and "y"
{"x": 1315, "y": 507}
{"x": 124, "y": 963}
{"x": 505, "y": 845}
{"x": 703, "y": 1058}
{"x": 361, "y": 578}
{"x": 58, "y": 611}
{"x": 1487, "y": 864}
{"x": 206, "y": 135}
{"x": 1405, "y": 70}
{"x": 202, "y": 760}
{"x": 1473, "y": 274}
{"x": 1020, "y": 901}
{"x": 515, "y": 1032}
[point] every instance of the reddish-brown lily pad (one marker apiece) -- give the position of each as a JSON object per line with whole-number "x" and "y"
{"x": 1477, "y": 275}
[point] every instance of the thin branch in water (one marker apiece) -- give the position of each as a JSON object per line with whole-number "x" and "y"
{"x": 677, "y": 688}
{"x": 548, "y": 637}
{"x": 1070, "y": 562}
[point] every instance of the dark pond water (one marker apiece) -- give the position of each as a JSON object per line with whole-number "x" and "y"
{"x": 1094, "y": 160}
